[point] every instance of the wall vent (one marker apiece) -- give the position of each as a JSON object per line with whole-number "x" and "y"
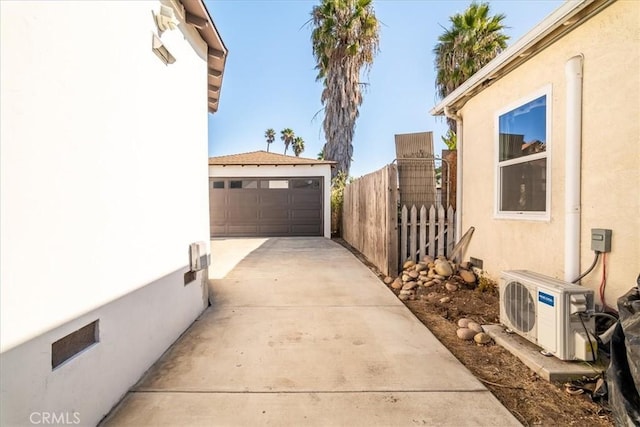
{"x": 67, "y": 347}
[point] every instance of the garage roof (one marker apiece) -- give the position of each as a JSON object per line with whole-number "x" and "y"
{"x": 262, "y": 158}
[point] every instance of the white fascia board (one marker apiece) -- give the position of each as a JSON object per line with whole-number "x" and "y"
{"x": 268, "y": 171}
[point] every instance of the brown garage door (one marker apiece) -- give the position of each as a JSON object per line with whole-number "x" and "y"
{"x": 243, "y": 207}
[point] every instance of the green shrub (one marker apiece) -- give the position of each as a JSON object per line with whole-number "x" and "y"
{"x": 338, "y": 184}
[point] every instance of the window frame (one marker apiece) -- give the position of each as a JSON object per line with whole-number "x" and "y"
{"x": 547, "y": 154}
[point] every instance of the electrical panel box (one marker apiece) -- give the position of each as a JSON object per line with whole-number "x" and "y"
{"x": 600, "y": 240}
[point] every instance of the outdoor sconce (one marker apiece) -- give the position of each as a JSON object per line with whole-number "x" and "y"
{"x": 160, "y": 49}
{"x": 165, "y": 20}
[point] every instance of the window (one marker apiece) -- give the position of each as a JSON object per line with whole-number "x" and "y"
{"x": 243, "y": 184}
{"x": 218, "y": 184}
{"x": 306, "y": 183}
{"x": 523, "y": 160}
{"x": 275, "y": 184}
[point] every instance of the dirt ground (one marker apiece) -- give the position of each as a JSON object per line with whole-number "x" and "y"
{"x": 532, "y": 400}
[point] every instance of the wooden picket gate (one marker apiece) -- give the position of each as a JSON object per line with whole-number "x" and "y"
{"x": 426, "y": 232}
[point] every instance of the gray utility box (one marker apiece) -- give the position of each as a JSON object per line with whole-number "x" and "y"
{"x": 600, "y": 240}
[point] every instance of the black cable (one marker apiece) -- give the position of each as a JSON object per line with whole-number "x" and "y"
{"x": 593, "y": 353}
{"x": 593, "y": 264}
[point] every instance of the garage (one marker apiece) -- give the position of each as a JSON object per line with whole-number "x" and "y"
{"x": 262, "y": 194}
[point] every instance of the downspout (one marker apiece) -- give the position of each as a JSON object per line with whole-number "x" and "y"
{"x": 458, "y": 118}
{"x": 573, "y": 150}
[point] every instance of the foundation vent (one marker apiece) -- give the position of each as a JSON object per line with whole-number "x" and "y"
{"x": 67, "y": 347}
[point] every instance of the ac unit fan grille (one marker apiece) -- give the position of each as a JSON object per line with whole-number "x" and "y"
{"x": 519, "y": 306}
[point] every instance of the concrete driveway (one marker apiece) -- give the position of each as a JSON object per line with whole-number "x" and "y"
{"x": 301, "y": 333}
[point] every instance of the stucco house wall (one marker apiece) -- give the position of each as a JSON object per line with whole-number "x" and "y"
{"x": 610, "y": 184}
{"x": 103, "y": 188}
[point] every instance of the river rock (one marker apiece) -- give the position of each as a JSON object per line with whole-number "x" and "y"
{"x": 465, "y": 334}
{"x": 387, "y": 280}
{"x": 403, "y": 297}
{"x": 397, "y": 284}
{"x": 406, "y": 278}
{"x": 451, "y": 287}
{"x": 423, "y": 273}
{"x": 427, "y": 259}
{"x": 482, "y": 338}
{"x": 408, "y": 264}
{"x": 443, "y": 268}
{"x": 467, "y": 276}
{"x": 445, "y": 300}
{"x": 421, "y": 266}
{"x": 413, "y": 274}
{"x": 475, "y": 327}
{"x": 463, "y": 322}
{"x": 409, "y": 285}
{"x": 429, "y": 283}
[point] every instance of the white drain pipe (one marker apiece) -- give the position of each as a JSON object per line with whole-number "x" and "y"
{"x": 458, "y": 118}
{"x": 573, "y": 151}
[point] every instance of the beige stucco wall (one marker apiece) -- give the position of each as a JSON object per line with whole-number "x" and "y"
{"x": 610, "y": 155}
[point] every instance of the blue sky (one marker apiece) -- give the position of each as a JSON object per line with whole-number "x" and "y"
{"x": 270, "y": 81}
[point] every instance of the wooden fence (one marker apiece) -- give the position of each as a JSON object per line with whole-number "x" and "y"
{"x": 429, "y": 233}
{"x": 370, "y": 223}
{"x": 370, "y": 218}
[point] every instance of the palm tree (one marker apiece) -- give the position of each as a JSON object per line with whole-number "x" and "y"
{"x": 298, "y": 146}
{"x": 473, "y": 40}
{"x": 270, "y": 134}
{"x": 287, "y": 136}
{"x": 345, "y": 42}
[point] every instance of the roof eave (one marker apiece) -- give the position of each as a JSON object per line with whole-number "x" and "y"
{"x": 560, "y": 22}
{"x": 328, "y": 163}
{"x": 197, "y": 14}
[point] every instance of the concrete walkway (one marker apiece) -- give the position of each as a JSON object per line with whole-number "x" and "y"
{"x": 300, "y": 333}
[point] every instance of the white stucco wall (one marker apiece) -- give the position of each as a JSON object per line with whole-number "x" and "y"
{"x": 288, "y": 171}
{"x": 103, "y": 188}
{"x": 610, "y": 156}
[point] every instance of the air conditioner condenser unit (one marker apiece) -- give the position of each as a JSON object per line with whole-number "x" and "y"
{"x": 550, "y": 313}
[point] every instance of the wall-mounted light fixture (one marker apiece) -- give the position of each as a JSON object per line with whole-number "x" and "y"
{"x": 165, "y": 19}
{"x": 160, "y": 49}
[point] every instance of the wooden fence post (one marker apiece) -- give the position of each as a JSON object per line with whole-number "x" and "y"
{"x": 392, "y": 220}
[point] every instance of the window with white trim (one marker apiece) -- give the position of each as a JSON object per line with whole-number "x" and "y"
{"x": 523, "y": 159}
